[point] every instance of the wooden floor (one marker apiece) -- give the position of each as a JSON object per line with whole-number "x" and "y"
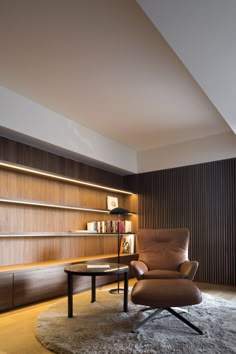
{"x": 17, "y": 327}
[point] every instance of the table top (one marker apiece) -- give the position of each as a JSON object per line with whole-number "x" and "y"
{"x": 97, "y": 268}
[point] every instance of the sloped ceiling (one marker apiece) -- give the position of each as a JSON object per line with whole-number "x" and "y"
{"x": 104, "y": 65}
{"x": 202, "y": 34}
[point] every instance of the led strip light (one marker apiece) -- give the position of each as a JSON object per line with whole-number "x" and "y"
{"x": 50, "y": 205}
{"x": 58, "y": 177}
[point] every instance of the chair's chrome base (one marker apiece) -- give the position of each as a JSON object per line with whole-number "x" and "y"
{"x": 173, "y": 312}
{"x": 116, "y": 291}
{"x": 180, "y": 309}
{"x": 141, "y": 323}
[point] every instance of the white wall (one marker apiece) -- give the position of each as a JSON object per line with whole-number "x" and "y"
{"x": 212, "y": 148}
{"x": 51, "y": 129}
{"x": 21, "y": 115}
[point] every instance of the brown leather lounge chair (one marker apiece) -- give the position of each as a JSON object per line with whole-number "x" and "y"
{"x": 163, "y": 254}
{"x": 164, "y": 273}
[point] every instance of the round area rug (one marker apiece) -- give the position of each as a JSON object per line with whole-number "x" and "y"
{"x": 101, "y": 327}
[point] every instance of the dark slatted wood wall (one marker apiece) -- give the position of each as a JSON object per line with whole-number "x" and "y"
{"x": 27, "y": 155}
{"x": 202, "y": 198}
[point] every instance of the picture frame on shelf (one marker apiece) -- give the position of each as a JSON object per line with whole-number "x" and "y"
{"x": 112, "y": 202}
{"x": 127, "y": 244}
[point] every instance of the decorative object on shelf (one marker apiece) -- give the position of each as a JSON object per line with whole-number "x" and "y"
{"x": 127, "y": 244}
{"x": 98, "y": 266}
{"x": 118, "y": 212}
{"x": 112, "y": 202}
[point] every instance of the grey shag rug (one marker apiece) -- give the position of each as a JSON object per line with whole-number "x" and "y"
{"x": 102, "y": 328}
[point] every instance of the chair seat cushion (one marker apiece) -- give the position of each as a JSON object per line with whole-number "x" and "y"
{"x": 163, "y": 274}
{"x": 165, "y": 293}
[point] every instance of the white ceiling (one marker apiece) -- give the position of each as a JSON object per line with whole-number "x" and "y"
{"x": 103, "y": 64}
{"x": 202, "y": 34}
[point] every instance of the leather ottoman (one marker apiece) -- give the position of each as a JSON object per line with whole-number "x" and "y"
{"x": 162, "y": 294}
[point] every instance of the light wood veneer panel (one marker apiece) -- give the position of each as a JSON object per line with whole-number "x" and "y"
{"x": 20, "y": 250}
{"x": 26, "y": 218}
{"x": 22, "y": 218}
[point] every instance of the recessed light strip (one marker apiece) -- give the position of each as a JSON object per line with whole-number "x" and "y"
{"x": 50, "y": 205}
{"x": 33, "y": 171}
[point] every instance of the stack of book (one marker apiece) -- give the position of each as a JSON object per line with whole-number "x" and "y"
{"x": 110, "y": 226}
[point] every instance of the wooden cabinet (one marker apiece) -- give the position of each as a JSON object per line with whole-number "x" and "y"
{"x": 6, "y": 291}
{"x": 27, "y": 284}
{"x": 34, "y": 285}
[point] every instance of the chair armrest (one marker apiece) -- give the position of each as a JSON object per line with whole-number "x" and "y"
{"x": 189, "y": 269}
{"x": 139, "y": 268}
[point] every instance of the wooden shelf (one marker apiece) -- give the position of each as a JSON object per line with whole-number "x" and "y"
{"x": 60, "y": 234}
{"x": 51, "y": 205}
{"x": 62, "y": 262}
{"x": 58, "y": 178}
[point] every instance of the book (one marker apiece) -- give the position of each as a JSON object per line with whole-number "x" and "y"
{"x": 99, "y": 226}
{"x": 108, "y": 226}
{"x": 127, "y": 226}
{"x": 121, "y": 226}
{"x": 113, "y": 226}
{"x": 103, "y": 226}
{"x": 98, "y": 266}
{"x": 92, "y": 226}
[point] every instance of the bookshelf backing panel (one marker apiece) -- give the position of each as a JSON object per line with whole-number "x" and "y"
{"x": 21, "y": 279}
{"x": 25, "y": 250}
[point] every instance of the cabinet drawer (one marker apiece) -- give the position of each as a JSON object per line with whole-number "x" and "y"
{"x": 40, "y": 284}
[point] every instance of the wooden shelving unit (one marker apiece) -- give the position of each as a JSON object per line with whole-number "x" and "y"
{"x": 37, "y": 211}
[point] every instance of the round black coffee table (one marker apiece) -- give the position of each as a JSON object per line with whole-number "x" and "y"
{"x": 94, "y": 270}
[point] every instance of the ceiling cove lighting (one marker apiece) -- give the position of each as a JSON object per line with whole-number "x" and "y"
{"x": 36, "y": 172}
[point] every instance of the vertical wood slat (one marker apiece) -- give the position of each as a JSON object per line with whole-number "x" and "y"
{"x": 26, "y": 155}
{"x": 201, "y": 197}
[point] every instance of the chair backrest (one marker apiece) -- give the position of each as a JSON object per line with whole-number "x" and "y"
{"x": 163, "y": 248}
